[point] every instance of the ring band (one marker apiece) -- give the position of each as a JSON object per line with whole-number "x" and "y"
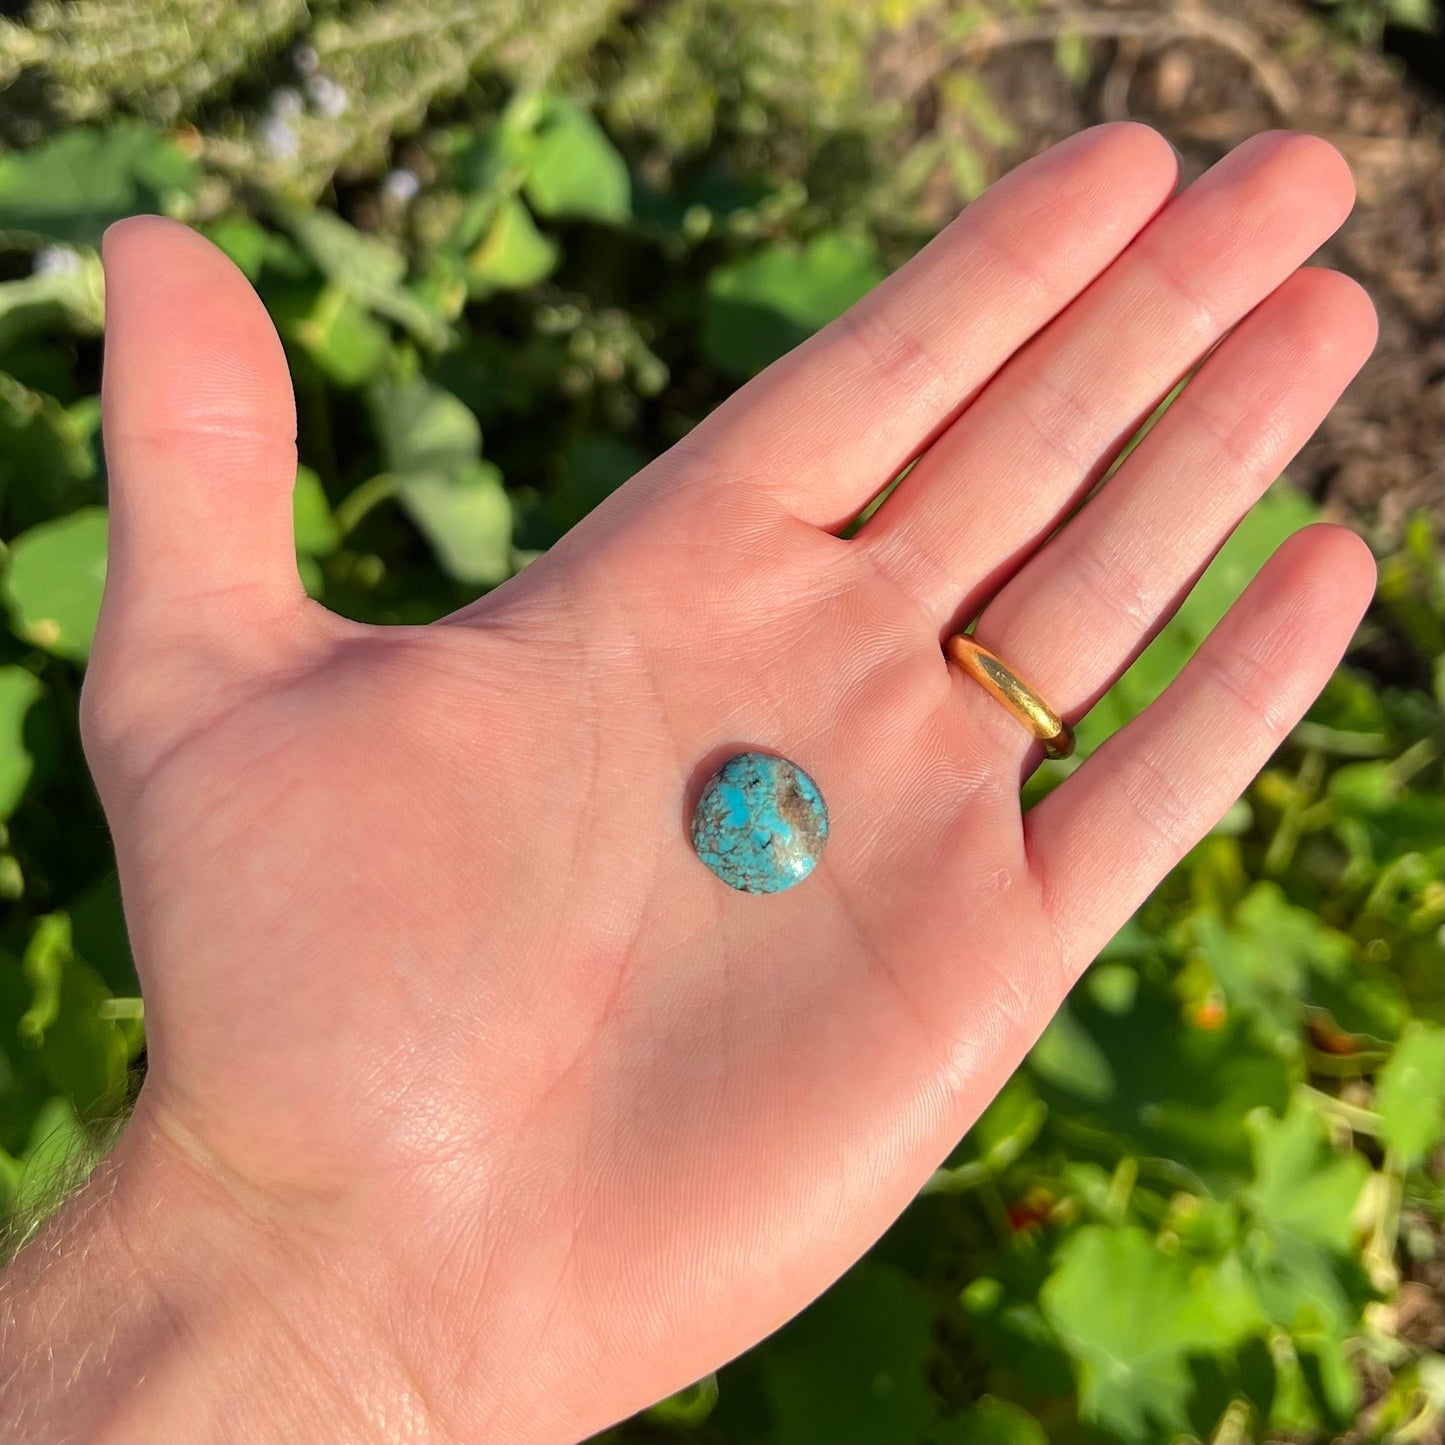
{"x": 1001, "y": 682}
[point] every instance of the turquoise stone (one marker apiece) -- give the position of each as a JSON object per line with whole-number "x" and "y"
{"x": 761, "y": 823}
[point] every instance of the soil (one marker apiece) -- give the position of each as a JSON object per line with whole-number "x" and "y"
{"x": 1208, "y": 76}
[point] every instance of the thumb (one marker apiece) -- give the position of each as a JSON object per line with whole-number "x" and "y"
{"x": 199, "y": 426}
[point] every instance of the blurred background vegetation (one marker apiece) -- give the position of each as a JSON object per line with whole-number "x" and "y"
{"x": 515, "y": 250}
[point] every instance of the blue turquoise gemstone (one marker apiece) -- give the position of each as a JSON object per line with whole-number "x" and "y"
{"x": 761, "y": 823}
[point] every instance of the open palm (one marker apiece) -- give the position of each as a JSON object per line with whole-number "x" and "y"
{"x": 545, "y": 1120}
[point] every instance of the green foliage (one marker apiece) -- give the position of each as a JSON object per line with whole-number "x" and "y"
{"x": 1187, "y": 1215}
{"x": 851, "y": 1371}
{"x": 1131, "y": 1315}
{"x": 53, "y": 580}
{"x": 70, "y": 189}
{"x": 1367, "y": 20}
{"x": 1409, "y": 1094}
{"x": 764, "y": 304}
{"x": 570, "y": 166}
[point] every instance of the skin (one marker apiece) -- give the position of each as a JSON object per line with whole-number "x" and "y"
{"x": 477, "y": 1107}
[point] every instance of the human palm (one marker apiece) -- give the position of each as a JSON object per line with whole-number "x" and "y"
{"x": 552, "y": 1120}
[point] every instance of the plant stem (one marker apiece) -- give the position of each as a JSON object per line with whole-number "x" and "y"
{"x": 357, "y": 503}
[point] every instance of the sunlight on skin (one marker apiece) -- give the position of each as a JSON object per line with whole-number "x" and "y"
{"x": 477, "y": 1105}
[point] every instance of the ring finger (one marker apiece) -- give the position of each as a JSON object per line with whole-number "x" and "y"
{"x": 1086, "y": 604}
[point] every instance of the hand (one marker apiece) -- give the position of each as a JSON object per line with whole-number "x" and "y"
{"x": 508, "y": 1117}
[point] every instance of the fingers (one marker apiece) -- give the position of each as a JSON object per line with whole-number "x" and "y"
{"x": 834, "y": 421}
{"x": 200, "y": 434}
{"x": 1003, "y": 476}
{"x": 1102, "y": 840}
{"x": 1086, "y": 605}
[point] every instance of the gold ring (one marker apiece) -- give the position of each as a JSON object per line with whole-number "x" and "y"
{"x": 1001, "y": 682}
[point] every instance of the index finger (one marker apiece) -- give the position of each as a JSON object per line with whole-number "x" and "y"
{"x": 840, "y": 416}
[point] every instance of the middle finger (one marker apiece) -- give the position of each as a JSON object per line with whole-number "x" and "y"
{"x": 1005, "y": 473}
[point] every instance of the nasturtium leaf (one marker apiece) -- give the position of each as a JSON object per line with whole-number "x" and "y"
{"x": 1301, "y": 1184}
{"x": 513, "y": 253}
{"x": 1153, "y": 1084}
{"x": 1131, "y": 1316}
{"x": 990, "y": 1421}
{"x": 1301, "y": 1205}
{"x": 20, "y": 689}
{"x": 762, "y": 305}
{"x": 311, "y": 519}
{"x": 1408, "y": 1093}
{"x": 53, "y": 583}
{"x": 852, "y": 1368}
{"x": 1279, "y": 513}
{"x": 69, "y": 188}
{"x": 1272, "y": 959}
{"x": 570, "y": 166}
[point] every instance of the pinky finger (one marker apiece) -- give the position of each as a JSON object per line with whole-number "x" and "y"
{"x": 1102, "y": 840}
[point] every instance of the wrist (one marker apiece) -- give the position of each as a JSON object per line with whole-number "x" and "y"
{"x": 161, "y": 1302}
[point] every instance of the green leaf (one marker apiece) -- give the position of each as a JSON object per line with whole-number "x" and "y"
{"x": 1132, "y": 1315}
{"x": 1148, "y": 1083}
{"x": 592, "y": 466}
{"x": 990, "y": 1422}
{"x": 1273, "y": 959}
{"x": 571, "y": 167}
{"x": 243, "y": 239}
{"x": 311, "y": 519}
{"x": 59, "y": 1152}
{"x": 1301, "y": 1185}
{"x": 65, "y": 297}
{"x": 423, "y": 427}
{"x": 347, "y": 344}
{"x": 1278, "y": 514}
{"x": 53, "y": 584}
{"x": 1304, "y": 1194}
{"x": 71, "y": 187}
{"x": 757, "y": 308}
{"x": 20, "y": 689}
{"x": 98, "y": 932}
{"x": 1408, "y": 1094}
{"x": 431, "y": 443}
{"x": 852, "y": 1367}
{"x": 512, "y": 254}
{"x": 366, "y": 268}
{"x": 47, "y": 454}
{"x": 467, "y": 518}
{"x": 1009, "y": 1125}
{"x": 85, "y": 1054}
